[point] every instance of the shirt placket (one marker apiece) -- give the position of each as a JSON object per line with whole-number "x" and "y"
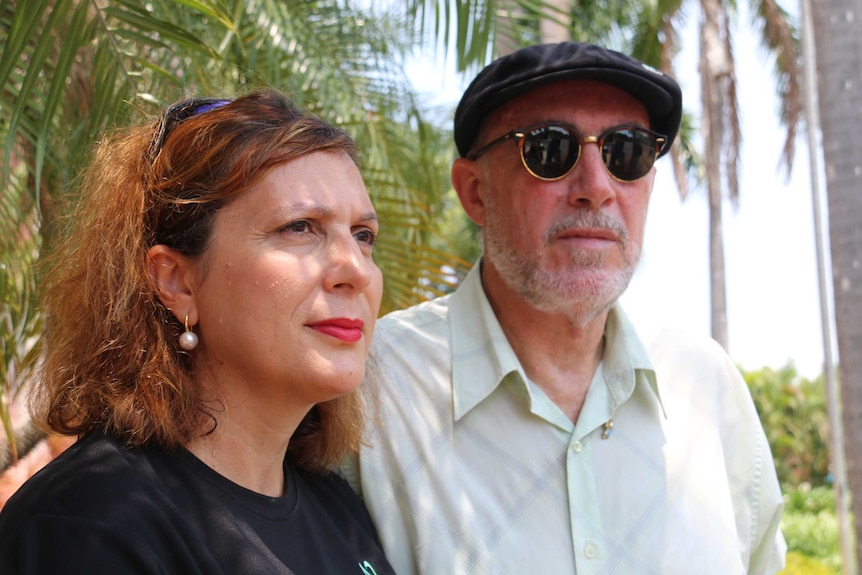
{"x": 584, "y": 513}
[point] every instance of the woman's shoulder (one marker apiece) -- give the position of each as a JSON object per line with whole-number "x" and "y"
{"x": 91, "y": 476}
{"x": 99, "y": 503}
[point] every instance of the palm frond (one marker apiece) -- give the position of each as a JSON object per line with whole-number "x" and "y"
{"x": 20, "y": 321}
{"x": 780, "y": 36}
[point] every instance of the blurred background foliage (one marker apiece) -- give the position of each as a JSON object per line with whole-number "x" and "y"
{"x": 793, "y": 412}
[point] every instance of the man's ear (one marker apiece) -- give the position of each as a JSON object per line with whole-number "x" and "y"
{"x": 170, "y": 273}
{"x": 469, "y": 185}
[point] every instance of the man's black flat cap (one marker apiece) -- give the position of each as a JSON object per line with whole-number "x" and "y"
{"x": 533, "y": 66}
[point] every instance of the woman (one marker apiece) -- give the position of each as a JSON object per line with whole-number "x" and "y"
{"x": 208, "y": 322}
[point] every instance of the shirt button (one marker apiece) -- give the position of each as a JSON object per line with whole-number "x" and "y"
{"x": 576, "y": 447}
{"x": 591, "y": 551}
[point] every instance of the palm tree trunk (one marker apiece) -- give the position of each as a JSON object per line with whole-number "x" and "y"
{"x": 715, "y": 67}
{"x": 837, "y": 454}
{"x": 839, "y": 52}
{"x": 717, "y": 278}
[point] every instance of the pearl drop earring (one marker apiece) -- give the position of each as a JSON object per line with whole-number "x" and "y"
{"x": 188, "y": 339}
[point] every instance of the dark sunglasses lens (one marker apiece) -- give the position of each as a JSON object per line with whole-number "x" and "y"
{"x": 629, "y": 154}
{"x": 550, "y": 151}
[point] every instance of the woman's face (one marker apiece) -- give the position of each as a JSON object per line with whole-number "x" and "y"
{"x": 287, "y": 294}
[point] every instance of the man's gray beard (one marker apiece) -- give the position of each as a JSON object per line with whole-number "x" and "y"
{"x": 582, "y": 299}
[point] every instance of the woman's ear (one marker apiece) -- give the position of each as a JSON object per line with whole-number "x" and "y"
{"x": 171, "y": 275}
{"x": 467, "y": 181}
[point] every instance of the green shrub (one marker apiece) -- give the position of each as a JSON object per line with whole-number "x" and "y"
{"x": 793, "y": 412}
{"x": 811, "y": 530}
{"x": 807, "y": 499}
{"x": 799, "y": 564}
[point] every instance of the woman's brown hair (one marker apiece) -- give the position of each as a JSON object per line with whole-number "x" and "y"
{"x": 112, "y": 359}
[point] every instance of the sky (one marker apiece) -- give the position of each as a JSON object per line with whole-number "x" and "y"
{"x": 770, "y": 252}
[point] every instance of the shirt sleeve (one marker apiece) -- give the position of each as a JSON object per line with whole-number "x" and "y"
{"x": 768, "y": 550}
{"x": 759, "y": 502}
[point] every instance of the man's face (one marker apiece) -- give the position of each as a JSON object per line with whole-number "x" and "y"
{"x": 568, "y": 246}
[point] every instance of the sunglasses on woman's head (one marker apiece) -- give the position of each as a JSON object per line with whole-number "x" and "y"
{"x": 178, "y": 113}
{"x": 551, "y": 151}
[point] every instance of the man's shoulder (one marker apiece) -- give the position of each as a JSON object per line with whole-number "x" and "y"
{"x": 411, "y": 348}
{"x": 424, "y": 319}
{"x": 672, "y": 345}
{"x": 429, "y": 310}
{"x": 694, "y": 364}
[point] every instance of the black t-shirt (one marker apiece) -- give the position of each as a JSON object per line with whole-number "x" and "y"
{"x": 101, "y": 507}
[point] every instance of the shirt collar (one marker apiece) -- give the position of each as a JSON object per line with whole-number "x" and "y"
{"x": 481, "y": 354}
{"x": 625, "y": 359}
{"x": 482, "y": 357}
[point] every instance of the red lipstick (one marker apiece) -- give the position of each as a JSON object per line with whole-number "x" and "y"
{"x": 349, "y": 330}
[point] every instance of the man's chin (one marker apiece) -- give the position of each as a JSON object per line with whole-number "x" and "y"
{"x": 586, "y": 294}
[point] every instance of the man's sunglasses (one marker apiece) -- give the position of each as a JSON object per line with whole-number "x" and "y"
{"x": 177, "y": 114}
{"x": 551, "y": 151}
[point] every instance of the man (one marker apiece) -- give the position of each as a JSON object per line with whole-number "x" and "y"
{"x": 523, "y": 424}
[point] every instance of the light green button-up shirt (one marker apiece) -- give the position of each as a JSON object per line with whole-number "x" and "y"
{"x": 471, "y": 468}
